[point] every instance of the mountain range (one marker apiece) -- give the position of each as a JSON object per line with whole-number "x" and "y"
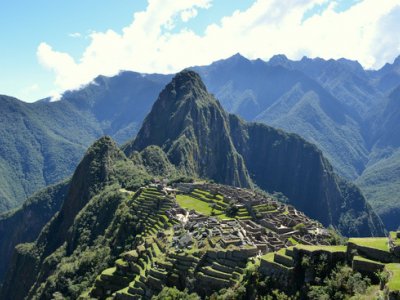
{"x": 351, "y": 114}
{"x": 99, "y": 213}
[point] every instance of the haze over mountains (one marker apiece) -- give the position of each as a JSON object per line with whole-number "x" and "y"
{"x": 351, "y": 114}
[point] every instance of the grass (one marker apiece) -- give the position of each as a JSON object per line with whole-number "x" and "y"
{"x": 189, "y": 202}
{"x": 202, "y": 207}
{"x": 109, "y": 272}
{"x": 393, "y": 235}
{"x": 282, "y": 252}
{"x": 376, "y": 243}
{"x": 360, "y": 258}
{"x": 321, "y": 248}
{"x": 394, "y": 281}
{"x": 269, "y": 256}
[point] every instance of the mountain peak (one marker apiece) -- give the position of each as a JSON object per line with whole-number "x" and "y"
{"x": 186, "y": 80}
{"x": 280, "y": 60}
{"x": 396, "y": 61}
{"x": 238, "y": 56}
{"x": 191, "y": 127}
{"x": 92, "y": 173}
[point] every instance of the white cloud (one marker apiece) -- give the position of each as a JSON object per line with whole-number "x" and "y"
{"x": 75, "y": 35}
{"x": 188, "y": 14}
{"x": 366, "y": 32}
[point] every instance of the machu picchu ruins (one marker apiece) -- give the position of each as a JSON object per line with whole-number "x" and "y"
{"x": 190, "y": 240}
{"x": 204, "y": 250}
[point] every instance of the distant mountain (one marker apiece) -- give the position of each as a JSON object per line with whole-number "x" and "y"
{"x": 288, "y": 98}
{"x": 388, "y": 77}
{"x": 41, "y": 143}
{"x": 201, "y": 139}
{"x": 348, "y": 112}
{"x": 335, "y": 104}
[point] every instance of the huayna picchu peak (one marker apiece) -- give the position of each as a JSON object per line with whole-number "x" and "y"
{"x": 199, "y": 205}
{"x": 191, "y": 127}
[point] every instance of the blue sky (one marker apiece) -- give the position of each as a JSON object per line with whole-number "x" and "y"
{"x": 50, "y": 46}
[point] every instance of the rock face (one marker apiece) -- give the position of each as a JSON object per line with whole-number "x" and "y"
{"x": 201, "y": 138}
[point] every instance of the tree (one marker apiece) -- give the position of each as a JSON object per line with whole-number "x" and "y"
{"x": 383, "y": 277}
{"x": 231, "y": 210}
{"x": 172, "y": 293}
{"x": 213, "y": 205}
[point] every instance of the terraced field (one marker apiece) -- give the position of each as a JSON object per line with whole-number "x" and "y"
{"x": 209, "y": 204}
{"x": 369, "y": 256}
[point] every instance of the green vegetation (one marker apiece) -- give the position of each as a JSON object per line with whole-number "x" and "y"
{"x": 189, "y": 202}
{"x": 41, "y": 143}
{"x": 322, "y": 248}
{"x": 40, "y": 207}
{"x": 394, "y": 280}
{"x": 231, "y": 210}
{"x": 395, "y": 239}
{"x": 202, "y": 207}
{"x": 377, "y": 243}
{"x": 173, "y": 293}
{"x": 341, "y": 284}
{"x": 269, "y": 256}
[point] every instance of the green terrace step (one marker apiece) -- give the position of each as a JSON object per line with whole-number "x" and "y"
{"x": 215, "y": 273}
{"x": 245, "y": 218}
{"x": 165, "y": 264}
{"x": 394, "y": 281}
{"x": 283, "y": 259}
{"x": 364, "y": 265}
{"x": 122, "y": 266}
{"x": 154, "y": 283}
{"x": 289, "y": 252}
{"x": 242, "y": 214}
{"x": 156, "y": 249}
{"x": 215, "y": 281}
{"x": 231, "y": 263}
{"x": 222, "y": 268}
{"x": 124, "y": 294}
{"x": 267, "y": 261}
{"x": 136, "y": 291}
{"x": 157, "y": 273}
